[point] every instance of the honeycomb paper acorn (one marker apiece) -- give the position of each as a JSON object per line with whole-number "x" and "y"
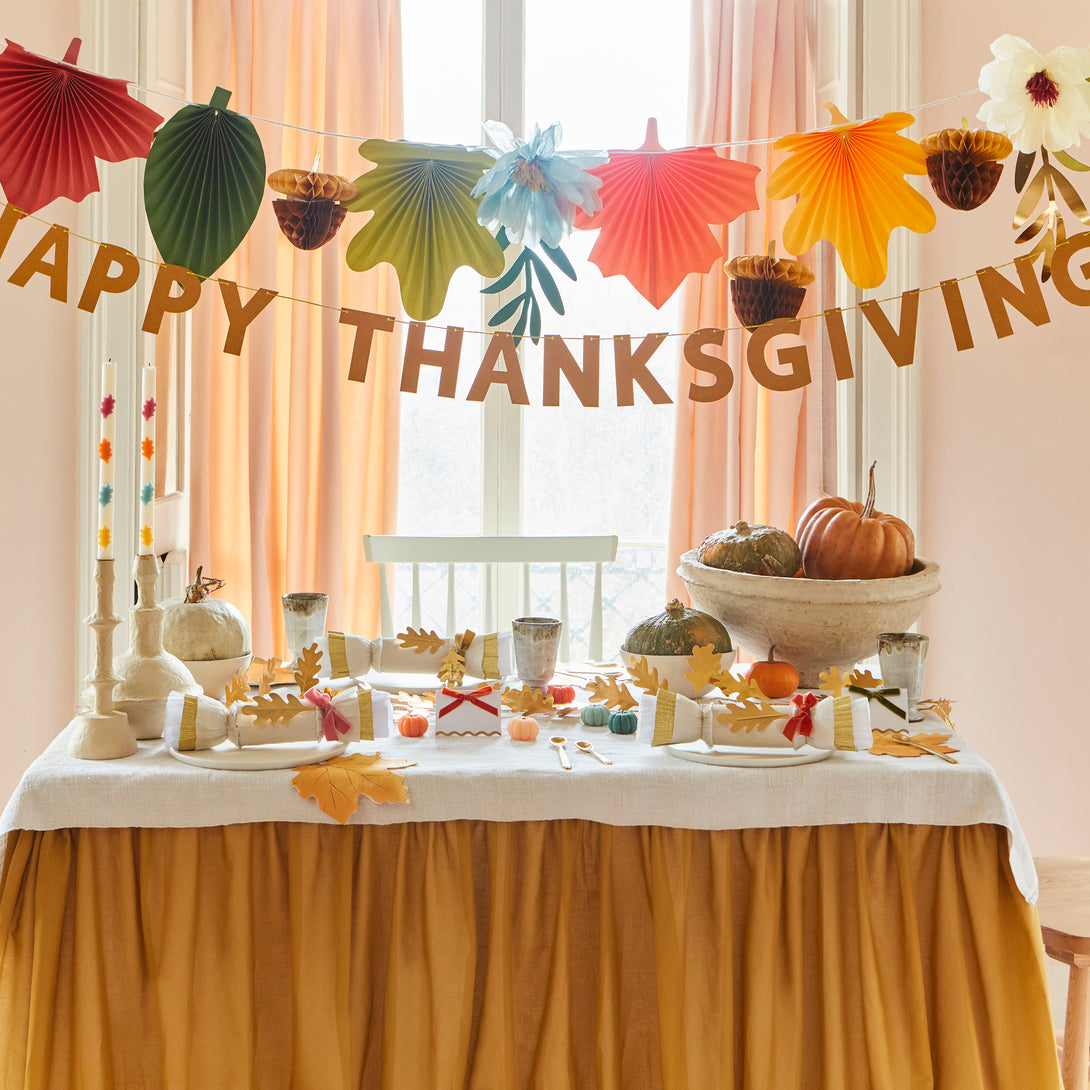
{"x": 763, "y": 288}
{"x": 964, "y": 166}
{"x": 311, "y": 211}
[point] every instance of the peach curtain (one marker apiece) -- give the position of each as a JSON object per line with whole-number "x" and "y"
{"x": 754, "y": 454}
{"x": 491, "y": 956}
{"x": 290, "y": 464}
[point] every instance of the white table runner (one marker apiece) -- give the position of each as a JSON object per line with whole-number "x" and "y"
{"x": 497, "y": 779}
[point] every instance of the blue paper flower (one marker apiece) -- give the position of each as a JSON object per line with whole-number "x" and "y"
{"x": 147, "y": 493}
{"x": 105, "y": 495}
{"x": 533, "y": 190}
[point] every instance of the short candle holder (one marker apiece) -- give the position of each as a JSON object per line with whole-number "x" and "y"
{"x": 103, "y": 733}
{"x": 147, "y": 673}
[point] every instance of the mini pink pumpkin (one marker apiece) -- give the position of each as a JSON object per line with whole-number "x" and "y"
{"x": 523, "y": 728}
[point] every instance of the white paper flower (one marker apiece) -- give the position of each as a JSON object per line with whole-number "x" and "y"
{"x": 1037, "y": 100}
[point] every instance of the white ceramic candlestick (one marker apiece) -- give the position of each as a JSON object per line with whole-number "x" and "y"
{"x": 103, "y": 733}
{"x": 147, "y": 673}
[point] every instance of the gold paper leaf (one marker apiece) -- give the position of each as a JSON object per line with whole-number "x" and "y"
{"x": 646, "y": 677}
{"x": 941, "y": 708}
{"x": 526, "y": 701}
{"x": 747, "y": 708}
{"x": 307, "y": 667}
{"x": 832, "y": 681}
{"x": 865, "y": 680}
{"x": 886, "y": 744}
{"x": 463, "y": 639}
{"x": 453, "y": 668}
{"x": 337, "y": 784}
{"x": 705, "y": 667}
{"x": 278, "y": 708}
{"x": 236, "y": 689}
{"x": 421, "y": 640}
{"x": 612, "y": 692}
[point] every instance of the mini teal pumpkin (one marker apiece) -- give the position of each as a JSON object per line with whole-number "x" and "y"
{"x": 594, "y": 715}
{"x": 622, "y": 722}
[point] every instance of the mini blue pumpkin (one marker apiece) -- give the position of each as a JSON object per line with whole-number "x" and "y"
{"x": 623, "y": 722}
{"x": 594, "y": 715}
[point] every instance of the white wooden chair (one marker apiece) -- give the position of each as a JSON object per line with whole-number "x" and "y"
{"x": 490, "y": 552}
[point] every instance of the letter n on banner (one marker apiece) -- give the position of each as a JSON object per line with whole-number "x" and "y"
{"x": 1028, "y": 299}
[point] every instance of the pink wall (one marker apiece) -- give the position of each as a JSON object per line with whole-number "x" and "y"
{"x": 1006, "y": 441}
{"x": 38, "y": 445}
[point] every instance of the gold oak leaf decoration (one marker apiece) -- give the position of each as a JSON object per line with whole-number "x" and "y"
{"x": 526, "y": 701}
{"x": 237, "y": 689}
{"x": 336, "y": 785}
{"x": 307, "y": 667}
{"x": 453, "y": 668}
{"x": 268, "y": 675}
{"x": 612, "y": 692}
{"x": 832, "y": 681}
{"x": 705, "y": 667}
{"x": 941, "y": 707}
{"x": 278, "y": 708}
{"x": 747, "y": 708}
{"x": 646, "y": 677}
{"x": 419, "y": 640}
{"x": 886, "y": 744}
{"x": 865, "y": 680}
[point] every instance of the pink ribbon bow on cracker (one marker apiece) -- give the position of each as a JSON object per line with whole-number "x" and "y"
{"x": 333, "y": 723}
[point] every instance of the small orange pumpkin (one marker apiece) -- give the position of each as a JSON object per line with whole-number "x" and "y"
{"x": 842, "y": 539}
{"x": 775, "y": 679}
{"x": 561, "y": 694}
{"x": 413, "y": 725}
{"x": 523, "y": 728}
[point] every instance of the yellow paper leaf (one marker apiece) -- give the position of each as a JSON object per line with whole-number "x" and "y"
{"x": 941, "y": 707}
{"x": 336, "y": 785}
{"x": 526, "y": 701}
{"x": 747, "y": 708}
{"x": 705, "y": 666}
{"x": 611, "y": 692}
{"x": 864, "y": 679}
{"x": 453, "y": 668}
{"x": 419, "y": 640}
{"x": 646, "y": 677}
{"x": 886, "y": 744}
{"x": 307, "y": 667}
{"x": 832, "y": 681}
{"x": 278, "y": 708}
{"x": 852, "y": 191}
{"x": 236, "y": 689}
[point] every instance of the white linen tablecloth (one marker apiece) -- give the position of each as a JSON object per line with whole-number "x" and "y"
{"x": 498, "y": 779}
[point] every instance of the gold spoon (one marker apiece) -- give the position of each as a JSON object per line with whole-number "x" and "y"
{"x": 902, "y": 736}
{"x": 588, "y": 747}
{"x": 558, "y": 743}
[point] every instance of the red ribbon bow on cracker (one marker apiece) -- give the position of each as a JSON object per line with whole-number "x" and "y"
{"x": 476, "y": 698}
{"x": 800, "y": 722}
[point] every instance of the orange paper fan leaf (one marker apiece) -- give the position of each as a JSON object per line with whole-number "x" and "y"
{"x": 656, "y": 208}
{"x": 852, "y": 191}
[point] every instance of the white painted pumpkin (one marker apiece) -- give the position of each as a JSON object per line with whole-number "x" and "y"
{"x": 199, "y": 628}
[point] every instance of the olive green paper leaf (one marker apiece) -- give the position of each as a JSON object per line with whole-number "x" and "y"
{"x": 425, "y": 221}
{"x": 203, "y": 184}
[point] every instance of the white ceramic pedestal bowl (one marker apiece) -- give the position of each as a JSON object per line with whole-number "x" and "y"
{"x": 212, "y": 675}
{"x": 813, "y": 623}
{"x": 672, "y": 669}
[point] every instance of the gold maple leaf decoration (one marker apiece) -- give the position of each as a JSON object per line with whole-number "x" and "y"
{"x": 307, "y": 667}
{"x": 613, "y": 693}
{"x": 886, "y": 744}
{"x": 705, "y": 667}
{"x": 646, "y": 677}
{"x": 832, "y": 681}
{"x": 237, "y": 689}
{"x": 865, "y": 680}
{"x": 747, "y": 708}
{"x": 420, "y": 640}
{"x": 526, "y": 701}
{"x": 336, "y": 785}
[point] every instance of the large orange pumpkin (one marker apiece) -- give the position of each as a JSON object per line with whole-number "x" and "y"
{"x": 842, "y": 539}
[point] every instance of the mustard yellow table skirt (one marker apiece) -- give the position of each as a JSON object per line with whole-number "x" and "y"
{"x": 552, "y": 955}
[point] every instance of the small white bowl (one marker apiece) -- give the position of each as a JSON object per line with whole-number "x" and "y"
{"x": 212, "y": 675}
{"x": 672, "y": 669}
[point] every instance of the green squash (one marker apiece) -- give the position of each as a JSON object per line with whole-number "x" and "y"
{"x": 623, "y": 722}
{"x": 594, "y": 715}
{"x": 676, "y": 631}
{"x": 755, "y": 550}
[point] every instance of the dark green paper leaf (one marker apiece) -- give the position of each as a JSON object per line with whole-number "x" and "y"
{"x": 1022, "y": 169}
{"x": 548, "y": 285}
{"x": 535, "y": 320}
{"x": 560, "y": 260}
{"x": 508, "y": 277}
{"x": 507, "y": 310}
{"x": 203, "y": 184}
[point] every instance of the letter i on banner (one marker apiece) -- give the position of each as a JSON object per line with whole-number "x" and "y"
{"x": 147, "y": 460}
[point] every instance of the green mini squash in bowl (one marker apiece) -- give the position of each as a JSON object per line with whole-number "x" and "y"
{"x": 755, "y": 550}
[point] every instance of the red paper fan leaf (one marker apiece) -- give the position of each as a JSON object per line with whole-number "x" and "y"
{"x": 656, "y": 208}
{"x": 55, "y": 119}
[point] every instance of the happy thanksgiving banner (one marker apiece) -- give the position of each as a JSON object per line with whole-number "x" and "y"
{"x": 507, "y": 209}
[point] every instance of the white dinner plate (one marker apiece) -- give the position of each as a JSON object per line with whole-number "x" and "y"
{"x": 258, "y": 758}
{"x": 413, "y": 684}
{"x": 748, "y": 756}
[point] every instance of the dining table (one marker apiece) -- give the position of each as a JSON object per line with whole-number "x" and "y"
{"x": 861, "y": 921}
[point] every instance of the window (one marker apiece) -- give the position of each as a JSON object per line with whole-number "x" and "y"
{"x": 497, "y": 468}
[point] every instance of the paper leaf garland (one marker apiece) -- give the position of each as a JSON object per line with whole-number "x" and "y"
{"x": 425, "y": 221}
{"x": 336, "y": 785}
{"x": 852, "y": 191}
{"x": 203, "y": 184}
{"x": 656, "y": 208}
{"x": 55, "y": 120}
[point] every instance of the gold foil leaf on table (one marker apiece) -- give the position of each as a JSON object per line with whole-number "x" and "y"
{"x": 850, "y": 180}
{"x": 645, "y": 677}
{"x": 453, "y": 668}
{"x": 278, "y": 708}
{"x": 941, "y": 707}
{"x": 705, "y": 667}
{"x": 268, "y": 676}
{"x": 864, "y": 679}
{"x": 420, "y": 640}
{"x": 336, "y": 785}
{"x": 527, "y": 700}
{"x": 832, "y": 681}
{"x": 612, "y": 692}
{"x": 237, "y": 689}
{"x": 307, "y": 667}
{"x": 746, "y": 708}
{"x": 886, "y": 744}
